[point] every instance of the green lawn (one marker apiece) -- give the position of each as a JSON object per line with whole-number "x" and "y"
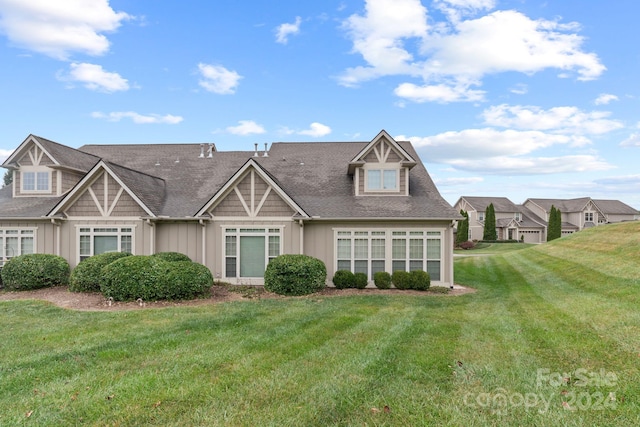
{"x": 552, "y": 337}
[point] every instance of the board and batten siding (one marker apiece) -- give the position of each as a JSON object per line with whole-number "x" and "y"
{"x": 184, "y": 237}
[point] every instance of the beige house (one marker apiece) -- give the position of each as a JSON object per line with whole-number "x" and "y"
{"x": 529, "y": 221}
{"x": 513, "y": 222}
{"x": 583, "y": 212}
{"x": 363, "y": 206}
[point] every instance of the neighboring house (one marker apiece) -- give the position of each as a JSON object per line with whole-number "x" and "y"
{"x": 513, "y": 222}
{"x": 362, "y": 206}
{"x": 583, "y": 212}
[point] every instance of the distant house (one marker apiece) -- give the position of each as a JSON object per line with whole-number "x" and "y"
{"x": 513, "y": 222}
{"x": 361, "y": 206}
{"x": 529, "y": 221}
{"x": 583, "y": 212}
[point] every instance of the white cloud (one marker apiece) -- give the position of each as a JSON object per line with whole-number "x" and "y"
{"x": 502, "y": 165}
{"x": 459, "y": 52}
{"x": 95, "y": 78}
{"x": 217, "y": 79}
{"x": 116, "y": 116}
{"x": 316, "y": 130}
{"x": 566, "y": 120}
{"x": 632, "y": 141}
{"x": 451, "y": 182}
{"x": 59, "y": 28}
{"x": 605, "y": 98}
{"x": 246, "y": 127}
{"x": 519, "y": 89}
{"x": 283, "y": 31}
{"x": 4, "y": 154}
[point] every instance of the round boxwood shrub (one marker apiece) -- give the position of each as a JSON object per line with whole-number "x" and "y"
{"x": 343, "y": 279}
{"x": 172, "y": 256}
{"x": 34, "y": 271}
{"x": 295, "y": 275}
{"x": 382, "y": 280}
{"x": 150, "y": 278}
{"x": 401, "y": 279}
{"x": 87, "y": 275}
{"x": 361, "y": 280}
{"x": 420, "y": 280}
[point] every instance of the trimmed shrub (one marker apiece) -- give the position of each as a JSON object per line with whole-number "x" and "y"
{"x": 361, "y": 280}
{"x": 420, "y": 280}
{"x": 87, "y": 275}
{"x": 150, "y": 278}
{"x": 401, "y": 279}
{"x": 343, "y": 279}
{"x": 1, "y": 285}
{"x": 295, "y": 275}
{"x": 382, "y": 280}
{"x": 172, "y": 256}
{"x": 34, "y": 271}
{"x": 187, "y": 280}
{"x": 467, "y": 245}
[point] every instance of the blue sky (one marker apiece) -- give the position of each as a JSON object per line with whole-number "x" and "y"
{"x": 522, "y": 98}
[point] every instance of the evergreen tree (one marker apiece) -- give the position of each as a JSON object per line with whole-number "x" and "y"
{"x": 463, "y": 229}
{"x": 8, "y": 177}
{"x": 490, "y": 224}
{"x": 555, "y": 224}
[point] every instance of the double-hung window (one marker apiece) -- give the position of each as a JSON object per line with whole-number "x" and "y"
{"x": 15, "y": 242}
{"x": 588, "y": 217}
{"x": 98, "y": 240}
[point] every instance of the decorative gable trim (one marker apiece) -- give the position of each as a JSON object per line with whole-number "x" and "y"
{"x": 103, "y": 205}
{"x": 382, "y": 154}
{"x": 251, "y": 205}
{"x": 24, "y": 148}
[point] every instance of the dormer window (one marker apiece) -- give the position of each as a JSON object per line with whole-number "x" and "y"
{"x": 35, "y": 181}
{"x": 517, "y": 216}
{"x": 382, "y": 180}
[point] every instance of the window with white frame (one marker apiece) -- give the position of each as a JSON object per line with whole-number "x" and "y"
{"x": 517, "y": 216}
{"x": 389, "y": 250}
{"x": 35, "y": 181}
{"x": 480, "y": 216}
{"x": 15, "y": 242}
{"x": 98, "y": 240}
{"x": 382, "y": 180}
{"x": 588, "y": 217}
{"x": 248, "y": 250}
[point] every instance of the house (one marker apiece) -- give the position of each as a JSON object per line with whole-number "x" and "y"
{"x": 583, "y": 212}
{"x": 362, "y": 206}
{"x": 513, "y": 222}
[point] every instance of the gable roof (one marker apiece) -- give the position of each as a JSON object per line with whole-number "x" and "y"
{"x": 358, "y": 159}
{"x": 565, "y": 205}
{"x": 147, "y": 190}
{"x": 62, "y": 156}
{"x": 500, "y": 204}
{"x": 614, "y": 207}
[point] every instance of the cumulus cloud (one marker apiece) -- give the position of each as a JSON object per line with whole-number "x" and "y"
{"x": 632, "y": 141}
{"x": 566, "y": 120}
{"x": 4, "y": 154}
{"x": 452, "y": 182}
{"x": 246, "y": 127}
{"x": 605, "y": 98}
{"x": 95, "y": 78}
{"x": 283, "y": 31}
{"x": 116, "y": 116}
{"x": 217, "y": 79}
{"x": 60, "y": 28}
{"x": 459, "y": 52}
{"x": 502, "y": 165}
{"x": 316, "y": 130}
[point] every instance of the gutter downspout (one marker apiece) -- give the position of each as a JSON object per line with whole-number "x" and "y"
{"x": 57, "y": 224}
{"x": 301, "y": 224}
{"x": 152, "y": 237}
{"x": 204, "y": 241}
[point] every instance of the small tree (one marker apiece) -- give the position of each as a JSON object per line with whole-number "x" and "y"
{"x": 463, "y": 229}
{"x": 8, "y": 178}
{"x": 490, "y": 224}
{"x": 555, "y": 224}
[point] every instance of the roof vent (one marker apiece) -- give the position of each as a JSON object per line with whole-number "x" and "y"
{"x": 210, "y": 150}
{"x": 265, "y": 151}
{"x": 255, "y": 154}
{"x": 201, "y": 156}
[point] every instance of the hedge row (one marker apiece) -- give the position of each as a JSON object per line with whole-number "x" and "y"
{"x": 417, "y": 279}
